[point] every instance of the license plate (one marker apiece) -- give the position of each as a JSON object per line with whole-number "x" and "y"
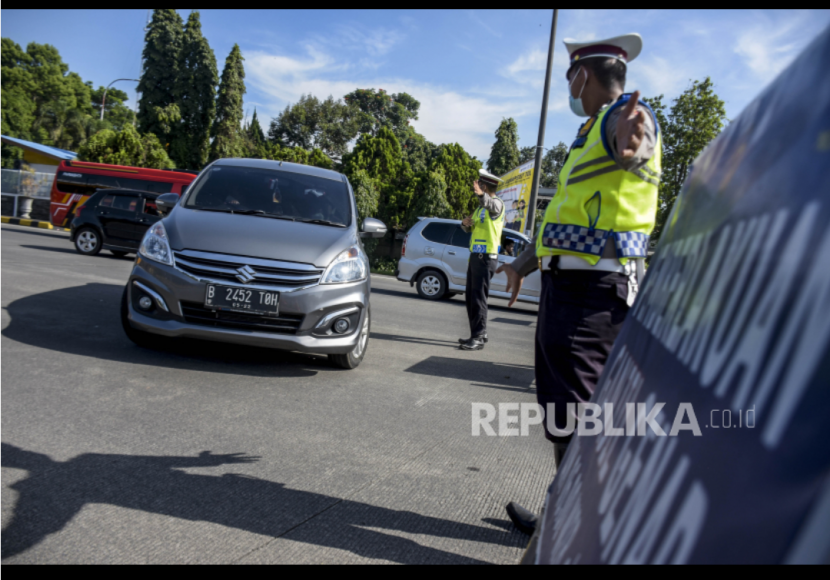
{"x": 242, "y": 300}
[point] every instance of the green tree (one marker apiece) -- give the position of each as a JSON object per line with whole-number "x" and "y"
{"x": 308, "y": 123}
{"x": 527, "y": 154}
{"x": 162, "y": 45}
{"x": 504, "y": 155}
{"x": 125, "y": 147}
{"x": 255, "y": 131}
{"x": 552, "y": 163}
{"x": 378, "y": 109}
{"x": 381, "y": 158}
{"x": 367, "y": 196}
{"x": 417, "y": 151}
{"x": 696, "y": 117}
{"x": 195, "y": 94}
{"x": 429, "y": 198}
{"x": 459, "y": 170}
{"x": 116, "y": 113}
{"x": 227, "y": 141}
{"x": 18, "y": 108}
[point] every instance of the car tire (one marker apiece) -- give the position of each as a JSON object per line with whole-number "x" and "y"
{"x": 88, "y": 241}
{"x": 431, "y": 285}
{"x": 118, "y": 254}
{"x": 352, "y": 359}
{"x": 139, "y": 337}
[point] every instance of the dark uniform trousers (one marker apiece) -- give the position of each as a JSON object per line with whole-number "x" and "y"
{"x": 480, "y": 271}
{"x": 580, "y": 315}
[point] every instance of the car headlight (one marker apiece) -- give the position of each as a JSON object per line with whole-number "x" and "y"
{"x": 349, "y": 266}
{"x": 155, "y": 247}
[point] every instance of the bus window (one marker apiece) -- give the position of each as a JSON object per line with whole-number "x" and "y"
{"x": 87, "y": 184}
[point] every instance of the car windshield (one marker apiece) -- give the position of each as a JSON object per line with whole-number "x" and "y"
{"x": 271, "y": 193}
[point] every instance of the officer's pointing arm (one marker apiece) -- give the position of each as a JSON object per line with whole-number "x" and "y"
{"x": 630, "y": 128}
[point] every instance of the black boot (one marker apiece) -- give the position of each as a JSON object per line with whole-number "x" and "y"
{"x": 521, "y": 518}
{"x": 472, "y": 344}
{"x": 482, "y": 337}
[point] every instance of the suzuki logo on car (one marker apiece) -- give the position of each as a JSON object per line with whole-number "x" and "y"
{"x": 246, "y": 274}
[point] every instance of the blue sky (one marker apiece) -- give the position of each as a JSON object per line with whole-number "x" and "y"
{"x": 469, "y": 69}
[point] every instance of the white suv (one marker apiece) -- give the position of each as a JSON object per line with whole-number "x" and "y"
{"x": 435, "y": 255}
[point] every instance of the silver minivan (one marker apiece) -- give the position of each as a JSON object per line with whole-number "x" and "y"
{"x": 256, "y": 252}
{"x": 434, "y": 259}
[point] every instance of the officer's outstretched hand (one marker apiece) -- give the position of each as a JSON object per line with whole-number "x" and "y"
{"x": 514, "y": 282}
{"x": 630, "y": 128}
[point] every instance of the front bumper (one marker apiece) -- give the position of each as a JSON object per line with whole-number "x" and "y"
{"x": 314, "y": 304}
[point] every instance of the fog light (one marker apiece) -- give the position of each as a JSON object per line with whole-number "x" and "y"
{"x": 145, "y": 303}
{"x": 341, "y": 325}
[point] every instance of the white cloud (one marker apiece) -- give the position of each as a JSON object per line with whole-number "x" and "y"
{"x": 376, "y": 42}
{"x": 477, "y": 19}
{"x": 655, "y": 75}
{"x": 767, "y": 47}
{"x": 446, "y": 116}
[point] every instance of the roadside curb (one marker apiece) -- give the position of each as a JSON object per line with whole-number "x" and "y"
{"x": 30, "y": 223}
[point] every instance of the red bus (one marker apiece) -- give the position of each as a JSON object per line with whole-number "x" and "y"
{"x": 75, "y": 181}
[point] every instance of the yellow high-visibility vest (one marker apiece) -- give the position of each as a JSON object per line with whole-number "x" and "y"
{"x": 486, "y": 235}
{"x": 597, "y": 201}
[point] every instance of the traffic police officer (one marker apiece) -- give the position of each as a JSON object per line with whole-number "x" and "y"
{"x": 594, "y": 236}
{"x": 486, "y": 225}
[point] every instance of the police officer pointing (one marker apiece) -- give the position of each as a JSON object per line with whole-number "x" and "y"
{"x": 594, "y": 235}
{"x": 486, "y": 225}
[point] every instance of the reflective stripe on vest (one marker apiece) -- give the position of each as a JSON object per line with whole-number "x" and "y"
{"x": 597, "y": 198}
{"x": 486, "y": 236}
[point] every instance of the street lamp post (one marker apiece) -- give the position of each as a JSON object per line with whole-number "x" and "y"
{"x": 104, "y": 100}
{"x": 537, "y": 164}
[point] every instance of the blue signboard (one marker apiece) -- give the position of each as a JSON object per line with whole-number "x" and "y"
{"x": 731, "y": 333}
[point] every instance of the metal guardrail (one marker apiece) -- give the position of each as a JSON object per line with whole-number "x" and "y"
{"x": 26, "y": 183}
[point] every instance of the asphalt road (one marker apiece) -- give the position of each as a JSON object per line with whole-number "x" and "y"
{"x": 208, "y": 453}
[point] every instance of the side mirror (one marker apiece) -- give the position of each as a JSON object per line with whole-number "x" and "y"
{"x": 165, "y": 203}
{"x": 373, "y": 228}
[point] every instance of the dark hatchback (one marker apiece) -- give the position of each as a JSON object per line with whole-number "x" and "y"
{"x": 115, "y": 220}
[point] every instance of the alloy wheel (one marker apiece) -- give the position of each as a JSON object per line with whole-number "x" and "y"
{"x": 87, "y": 240}
{"x": 430, "y": 285}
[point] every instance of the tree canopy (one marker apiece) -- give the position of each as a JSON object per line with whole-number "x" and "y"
{"x": 696, "y": 117}
{"x": 162, "y": 46}
{"x": 227, "y": 141}
{"x": 195, "y": 95}
{"x": 125, "y": 147}
{"x": 504, "y": 155}
{"x": 311, "y": 123}
{"x": 378, "y": 109}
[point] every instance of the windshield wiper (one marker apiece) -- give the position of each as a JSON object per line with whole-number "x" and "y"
{"x": 211, "y": 209}
{"x": 323, "y": 222}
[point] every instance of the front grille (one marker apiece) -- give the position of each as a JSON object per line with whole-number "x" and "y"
{"x": 271, "y": 274}
{"x": 196, "y": 313}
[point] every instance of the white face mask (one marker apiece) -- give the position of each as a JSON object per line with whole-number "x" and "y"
{"x": 576, "y": 103}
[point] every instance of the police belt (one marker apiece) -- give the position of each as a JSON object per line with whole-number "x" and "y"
{"x": 634, "y": 269}
{"x": 577, "y": 263}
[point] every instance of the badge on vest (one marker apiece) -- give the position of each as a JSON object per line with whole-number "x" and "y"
{"x": 582, "y": 134}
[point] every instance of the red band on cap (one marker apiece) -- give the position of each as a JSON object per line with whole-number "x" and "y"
{"x": 598, "y": 49}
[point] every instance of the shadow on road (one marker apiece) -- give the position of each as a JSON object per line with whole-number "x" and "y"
{"x": 104, "y": 254}
{"x": 511, "y": 321}
{"x": 479, "y": 373}
{"x": 85, "y": 320}
{"x": 455, "y": 302}
{"x": 56, "y": 491}
{"x": 37, "y": 232}
{"x": 69, "y": 250}
{"x": 414, "y": 340}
